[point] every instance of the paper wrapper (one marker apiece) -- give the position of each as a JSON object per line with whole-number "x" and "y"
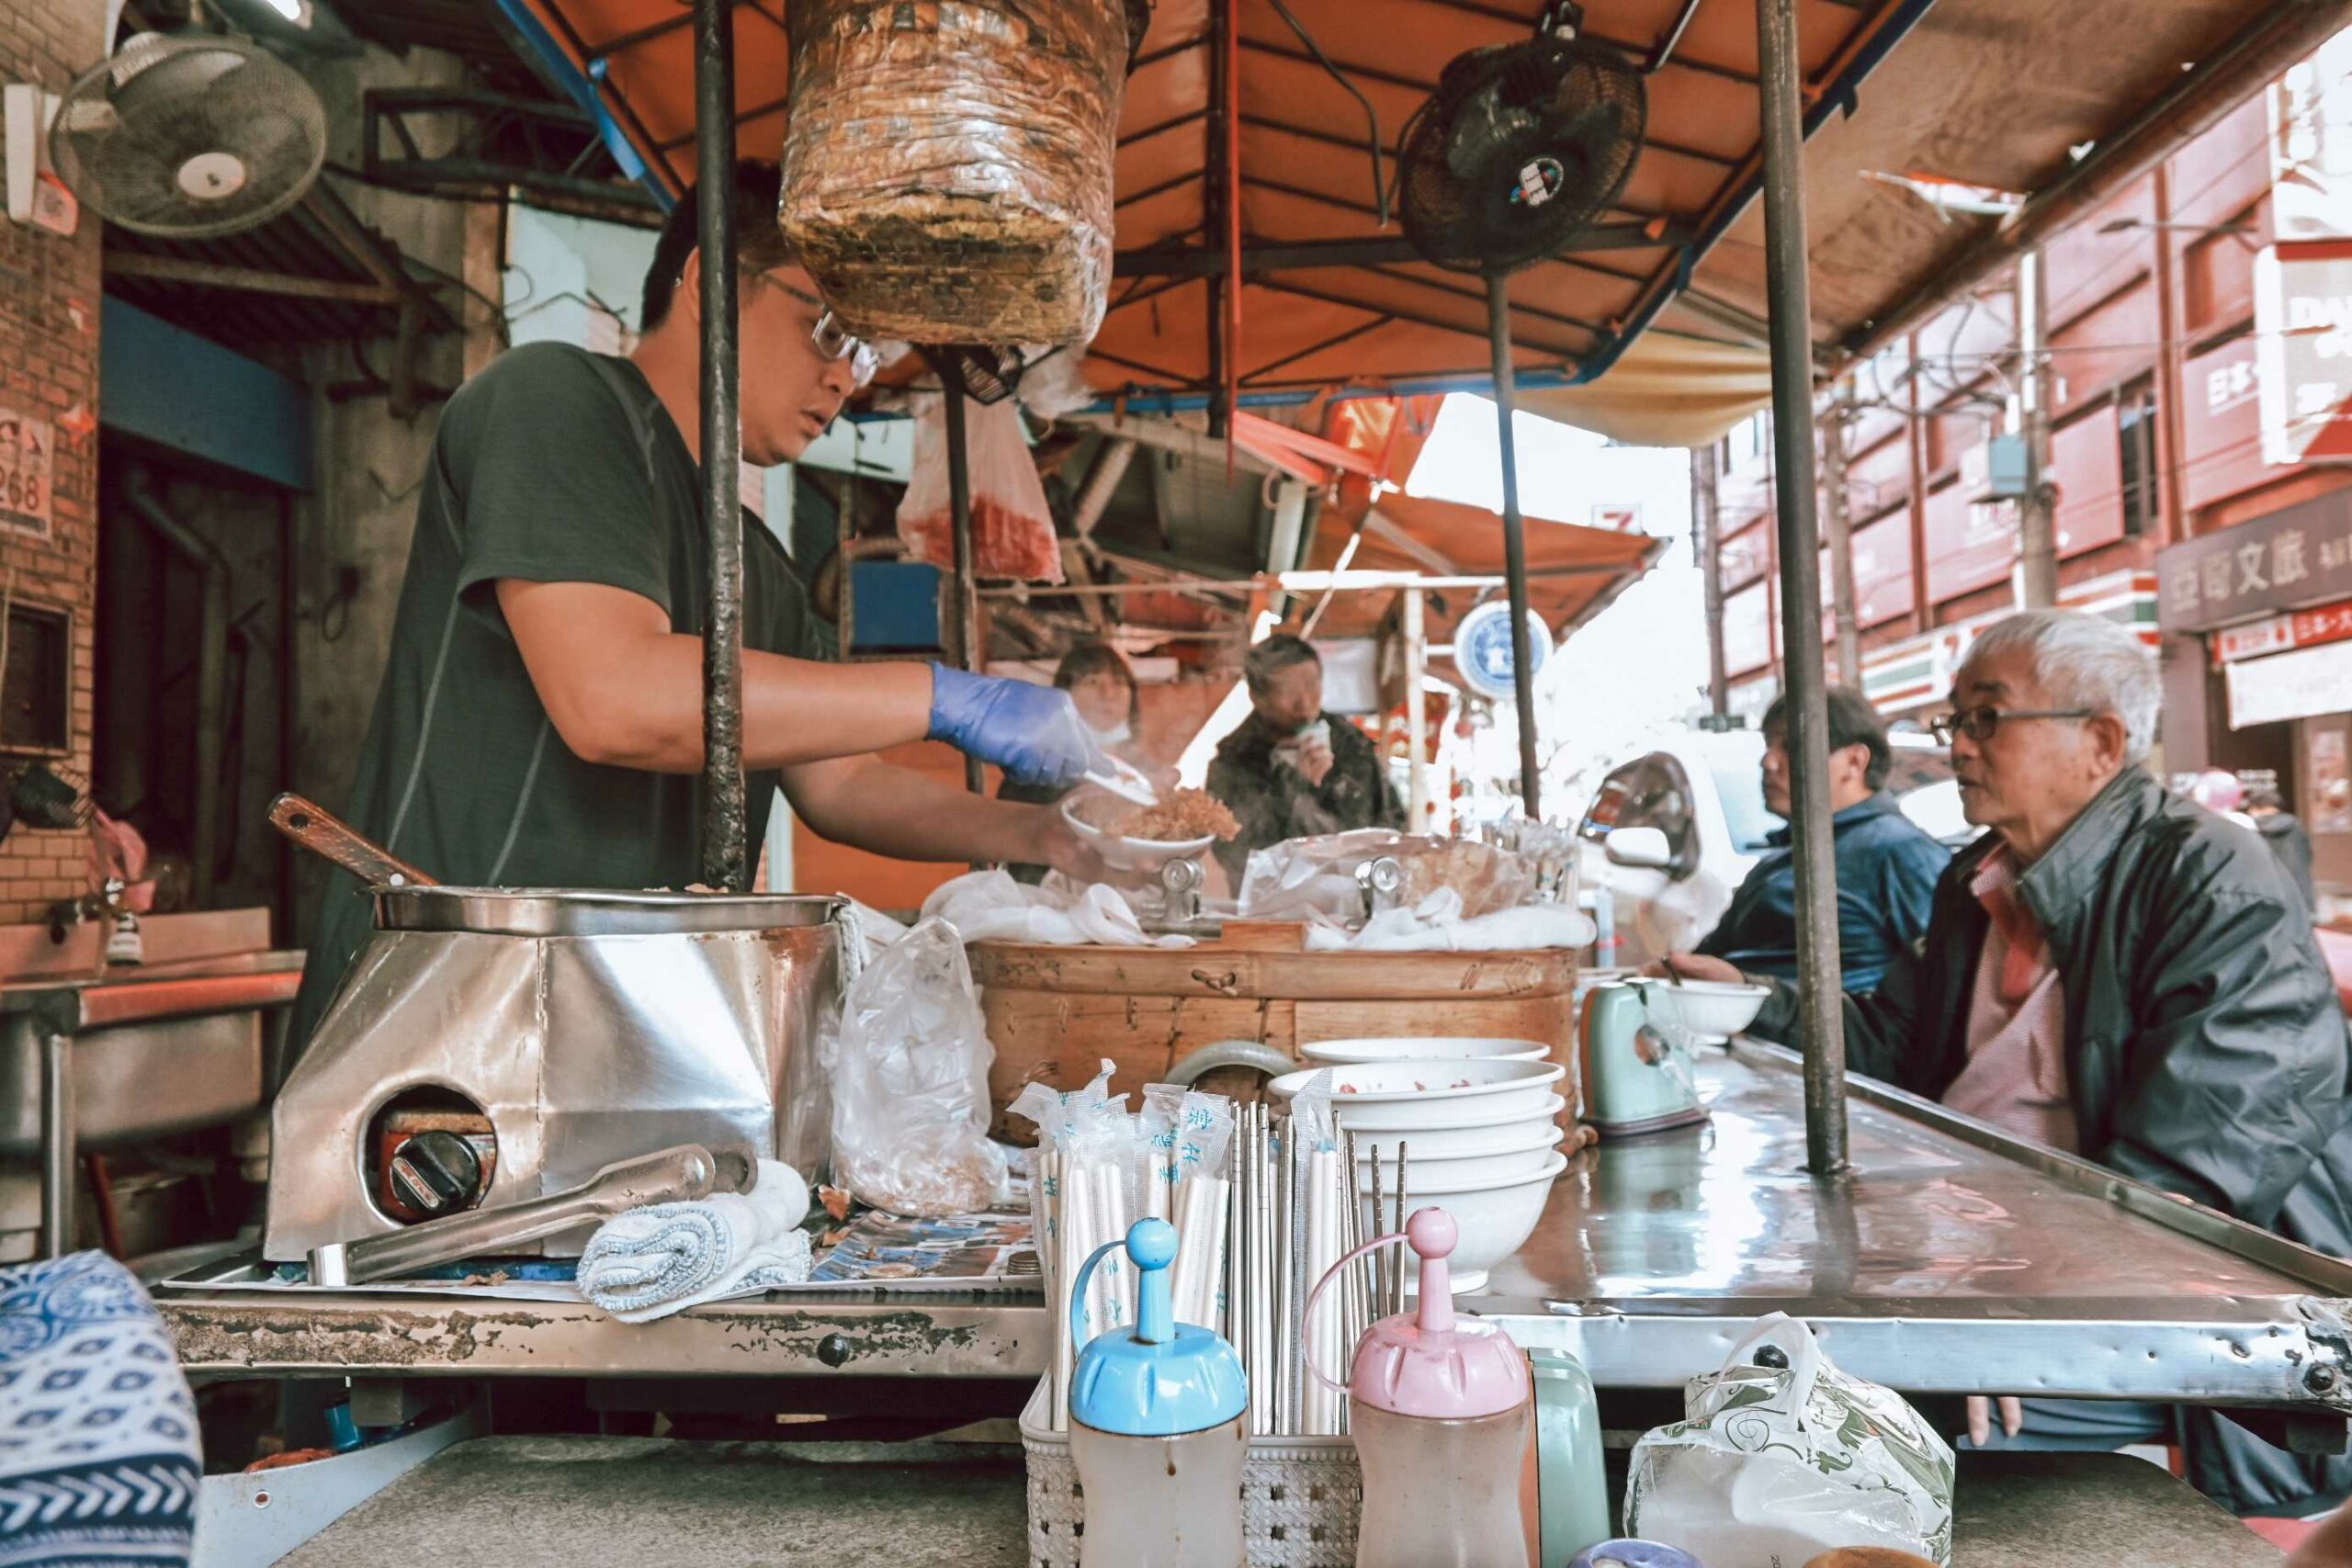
{"x": 1773, "y": 1466}
{"x": 947, "y": 167}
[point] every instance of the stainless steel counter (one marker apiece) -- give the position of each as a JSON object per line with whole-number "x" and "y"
{"x": 1953, "y": 1259}
{"x": 1953, "y": 1262}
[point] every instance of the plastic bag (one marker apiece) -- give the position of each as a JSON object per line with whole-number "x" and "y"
{"x": 910, "y": 1084}
{"x": 1312, "y": 878}
{"x": 1773, "y": 1466}
{"x": 947, "y": 169}
{"x": 1013, "y": 528}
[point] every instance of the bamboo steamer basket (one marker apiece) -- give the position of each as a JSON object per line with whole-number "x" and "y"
{"x": 1053, "y": 1013}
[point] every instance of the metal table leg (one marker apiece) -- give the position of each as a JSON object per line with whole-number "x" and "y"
{"x": 57, "y": 1149}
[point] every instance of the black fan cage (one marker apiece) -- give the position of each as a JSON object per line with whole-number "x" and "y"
{"x": 1522, "y": 148}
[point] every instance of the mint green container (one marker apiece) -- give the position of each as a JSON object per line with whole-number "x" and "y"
{"x": 1572, "y": 1495}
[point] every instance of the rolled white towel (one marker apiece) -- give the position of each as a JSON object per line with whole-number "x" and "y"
{"x": 665, "y": 1258}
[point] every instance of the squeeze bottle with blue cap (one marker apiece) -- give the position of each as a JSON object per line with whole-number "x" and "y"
{"x": 1442, "y": 1409}
{"x": 1158, "y": 1427}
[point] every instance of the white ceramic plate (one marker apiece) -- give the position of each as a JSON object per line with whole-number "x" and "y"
{"x": 1135, "y": 854}
{"x": 1404, "y": 1094}
{"x": 1493, "y": 1222}
{"x": 1507, "y": 1164}
{"x": 1425, "y": 1048}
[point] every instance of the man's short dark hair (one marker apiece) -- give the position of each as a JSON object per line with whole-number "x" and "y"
{"x": 760, "y": 244}
{"x": 1852, "y": 722}
{"x": 1272, "y": 656}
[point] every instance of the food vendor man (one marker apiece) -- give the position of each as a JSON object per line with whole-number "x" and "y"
{"x": 541, "y": 719}
{"x": 1292, "y": 771}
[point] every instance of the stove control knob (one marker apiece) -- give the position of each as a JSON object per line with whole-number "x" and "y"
{"x": 437, "y": 1173}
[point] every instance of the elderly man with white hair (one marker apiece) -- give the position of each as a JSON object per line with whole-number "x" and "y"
{"x": 2123, "y": 976}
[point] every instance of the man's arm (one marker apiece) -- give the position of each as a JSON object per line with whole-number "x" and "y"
{"x": 898, "y": 811}
{"x": 1909, "y": 873}
{"x": 2233, "y": 1076}
{"x": 625, "y": 690}
{"x": 1883, "y": 1030}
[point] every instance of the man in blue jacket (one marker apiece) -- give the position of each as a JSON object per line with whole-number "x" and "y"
{"x": 1887, "y": 864}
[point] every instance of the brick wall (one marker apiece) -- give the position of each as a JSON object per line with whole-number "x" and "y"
{"x": 49, "y": 370}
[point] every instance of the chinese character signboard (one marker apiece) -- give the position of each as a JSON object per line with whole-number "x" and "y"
{"x": 2302, "y": 320}
{"x": 26, "y": 464}
{"x": 2311, "y": 145}
{"x": 2289, "y": 560}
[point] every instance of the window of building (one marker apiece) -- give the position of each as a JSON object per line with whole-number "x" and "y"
{"x": 2135, "y": 429}
{"x": 36, "y": 688}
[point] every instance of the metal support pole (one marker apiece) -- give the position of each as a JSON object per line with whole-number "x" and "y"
{"x": 1417, "y": 658}
{"x": 1820, "y": 1022}
{"x": 1840, "y": 536}
{"x": 968, "y": 652}
{"x": 1706, "y": 539}
{"x": 726, "y": 854}
{"x": 1214, "y": 194}
{"x": 1522, "y": 673}
{"x": 57, "y": 1149}
{"x": 2037, "y": 534}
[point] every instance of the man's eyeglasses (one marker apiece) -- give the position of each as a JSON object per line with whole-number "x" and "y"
{"x": 1979, "y": 723}
{"x": 834, "y": 341}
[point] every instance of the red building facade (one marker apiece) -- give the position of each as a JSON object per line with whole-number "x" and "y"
{"x": 2168, "y": 516}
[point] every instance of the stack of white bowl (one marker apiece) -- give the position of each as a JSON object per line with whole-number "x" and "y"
{"x": 1476, "y": 1118}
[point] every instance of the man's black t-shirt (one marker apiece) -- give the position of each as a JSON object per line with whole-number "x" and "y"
{"x": 554, "y": 465}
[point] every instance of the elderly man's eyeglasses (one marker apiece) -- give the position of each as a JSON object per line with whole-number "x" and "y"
{"x": 1979, "y": 723}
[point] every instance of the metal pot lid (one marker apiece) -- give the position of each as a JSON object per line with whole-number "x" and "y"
{"x": 586, "y": 911}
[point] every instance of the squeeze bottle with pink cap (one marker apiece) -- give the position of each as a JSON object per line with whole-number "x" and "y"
{"x": 1442, "y": 1409}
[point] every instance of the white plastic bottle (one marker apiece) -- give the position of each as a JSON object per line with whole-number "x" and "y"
{"x": 1444, "y": 1410}
{"x": 1158, "y": 1427}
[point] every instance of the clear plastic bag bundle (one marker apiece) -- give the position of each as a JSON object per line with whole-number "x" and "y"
{"x": 1013, "y": 528}
{"x": 911, "y": 1083}
{"x": 1307, "y": 878}
{"x": 947, "y": 167}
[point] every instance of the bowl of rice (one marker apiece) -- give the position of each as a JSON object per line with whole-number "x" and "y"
{"x": 1144, "y": 838}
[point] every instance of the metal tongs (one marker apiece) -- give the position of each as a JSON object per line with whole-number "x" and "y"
{"x": 685, "y": 1173}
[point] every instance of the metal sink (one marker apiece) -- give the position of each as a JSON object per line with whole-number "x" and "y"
{"x": 152, "y": 1051}
{"x": 111, "y": 1055}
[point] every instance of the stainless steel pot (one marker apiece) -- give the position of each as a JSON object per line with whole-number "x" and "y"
{"x": 587, "y": 1027}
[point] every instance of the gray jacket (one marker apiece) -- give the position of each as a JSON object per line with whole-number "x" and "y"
{"x": 2206, "y": 1051}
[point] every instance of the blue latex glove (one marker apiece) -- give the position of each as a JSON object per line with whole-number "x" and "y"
{"x": 1032, "y": 732}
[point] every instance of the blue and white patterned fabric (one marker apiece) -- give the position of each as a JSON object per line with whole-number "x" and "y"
{"x": 99, "y": 1461}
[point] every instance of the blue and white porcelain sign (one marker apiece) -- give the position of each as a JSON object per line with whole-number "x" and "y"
{"x": 1482, "y": 647}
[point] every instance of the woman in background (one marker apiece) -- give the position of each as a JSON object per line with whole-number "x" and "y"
{"x": 1099, "y": 681}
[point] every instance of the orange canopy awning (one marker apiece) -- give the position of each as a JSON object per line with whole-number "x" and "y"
{"x": 1995, "y": 92}
{"x": 1573, "y": 570}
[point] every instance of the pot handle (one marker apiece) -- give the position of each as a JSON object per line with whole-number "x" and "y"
{"x": 1250, "y": 1053}
{"x": 325, "y": 834}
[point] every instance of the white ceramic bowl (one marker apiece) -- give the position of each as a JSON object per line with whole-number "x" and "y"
{"x": 1493, "y": 1222}
{"x": 1404, "y": 1094}
{"x": 1135, "y": 854}
{"x": 1474, "y": 1118}
{"x": 1525, "y": 1159}
{"x": 1460, "y": 1143}
{"x": 1427, "y": 1048}
{"x": 1712, "y": 1010}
